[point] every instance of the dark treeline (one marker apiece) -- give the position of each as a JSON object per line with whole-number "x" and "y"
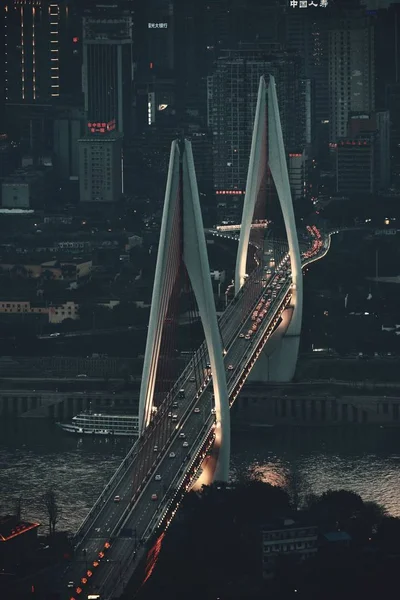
{"x": 214, "y": 548}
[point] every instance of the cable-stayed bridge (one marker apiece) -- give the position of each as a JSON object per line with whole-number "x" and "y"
{"x": 185, "y": 415}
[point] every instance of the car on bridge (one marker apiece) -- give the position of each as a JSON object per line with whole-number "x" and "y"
{"x": 230, "y": 367}
{"x": 196, "y": 410}
{"x": 157, "y": 477}
{"x": 182, "y": 435}
{"x": 185, "y": 445}
{"x": 117, "y": 498}
{"x": 172, "y": 454}
{"x": 154, "y": 497}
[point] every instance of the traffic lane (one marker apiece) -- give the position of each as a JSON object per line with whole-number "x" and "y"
{"x": 236, "y": 353}
{"x": 193, "y": 428}
{"x": 146, "y": 509}
{"x": 110, "y": 519}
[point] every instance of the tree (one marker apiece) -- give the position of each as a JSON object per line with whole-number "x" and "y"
{"x": 336, "y": 507}
{"x": 47, "y": 275}
{"x": 53, "y": 510}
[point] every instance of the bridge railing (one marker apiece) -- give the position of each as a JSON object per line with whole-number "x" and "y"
{"x": 195, "y": 360}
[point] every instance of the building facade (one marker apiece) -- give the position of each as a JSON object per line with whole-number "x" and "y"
{"x": 100, "y": 168}
{"x": 351, "y": 69}
{"x": 25, "y": 188}
{"x": 287, "y": 538}
{"x": 355, "y": 166}
{"x": 232, "y": 97}
{"x": 108, "y": 68}
{"x": 39, "y": 50}
{"x": 307, "y": 32}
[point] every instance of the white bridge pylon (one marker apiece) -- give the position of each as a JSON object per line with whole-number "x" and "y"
{"x": 182, "y": 223}
{"x": 267, "y": 151}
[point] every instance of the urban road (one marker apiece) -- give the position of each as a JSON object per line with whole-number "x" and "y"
{"x": 111, "y": 542}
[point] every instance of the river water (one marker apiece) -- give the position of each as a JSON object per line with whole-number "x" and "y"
{"x": 36, "y": 456}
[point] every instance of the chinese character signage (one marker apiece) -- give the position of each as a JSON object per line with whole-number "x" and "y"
{"x": 157, "y": 25}
{"x": 101, "y": 127}
{"x": 308, "y": 3}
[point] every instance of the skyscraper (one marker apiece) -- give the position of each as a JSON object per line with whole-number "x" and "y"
{"x": 307, "y": 32}
{"x": 39, "y": 46}
{"x": 232, "y": 97}
{"x": 108, "y": 68}
{"x": 351, "y": 69}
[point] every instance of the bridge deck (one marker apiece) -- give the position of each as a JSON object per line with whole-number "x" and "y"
{"x": 127, "y": 524}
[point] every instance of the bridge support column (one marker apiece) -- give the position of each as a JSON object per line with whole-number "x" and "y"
{"x": 182, "y": 240}
{"x": 277, "y": 362}
{"x": 268, "y": 152}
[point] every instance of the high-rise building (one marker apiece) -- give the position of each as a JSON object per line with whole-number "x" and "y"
{"x": 387, "y": 57}
{"x": 376, "y": 128}
{"x": 108, "y": 67}
{"x": 351, "y": 69}
{"x": 155, "y": 84}
{"x": 355, "y": 166}
{"x": 232, "y": 97}
{"x": 68, "y": 128}
{"x": 100, "y": 173}
{"x": 307, "y": 32}
{"x": 41, "y": 58}
{"x": 387, "y": 50}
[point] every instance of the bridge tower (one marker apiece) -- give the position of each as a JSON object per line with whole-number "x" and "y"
{"x": 278, "y": 362}
{"x": 182, "y": 240}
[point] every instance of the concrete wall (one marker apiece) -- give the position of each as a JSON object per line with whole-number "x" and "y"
{"x": 62, "y": 406}
{"x": 257, "y": 408}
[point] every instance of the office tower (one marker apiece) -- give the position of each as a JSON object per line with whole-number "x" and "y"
{"x": 307, "y": 32}
{"x": 351, "y": 69}
{"x": 355, "y": 166}
{"x": 100, "y": 177}
{"x": 363, "y": 156}
{"x": 387, "y": 57}
{"x": 392, "y": 103}
{"x": 160, "y": 35}
{"x": 387, "y": 50}
{"x": 68, "y": 128}
{"x": 261, "y": 20}
{"x": 155, "y": 84}
{"x": 232, "y": 96}
{"x": 108, "y": 67}
{"x": 41, "y": 62}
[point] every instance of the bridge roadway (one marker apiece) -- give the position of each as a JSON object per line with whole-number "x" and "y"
{"x": 136, "y": 515}
{"x": 136, "y": 510}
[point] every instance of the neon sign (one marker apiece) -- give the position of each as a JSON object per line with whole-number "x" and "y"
{"x": 98, "y": 127}
{"x": 308, "y": 3}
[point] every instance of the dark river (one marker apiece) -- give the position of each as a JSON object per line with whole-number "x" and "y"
{"x": 36, "y": 456}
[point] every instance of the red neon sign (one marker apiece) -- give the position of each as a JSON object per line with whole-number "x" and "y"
{"x": 101, "y": 127}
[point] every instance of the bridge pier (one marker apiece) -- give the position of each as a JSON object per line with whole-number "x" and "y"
{"x": 277, "y": 362}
